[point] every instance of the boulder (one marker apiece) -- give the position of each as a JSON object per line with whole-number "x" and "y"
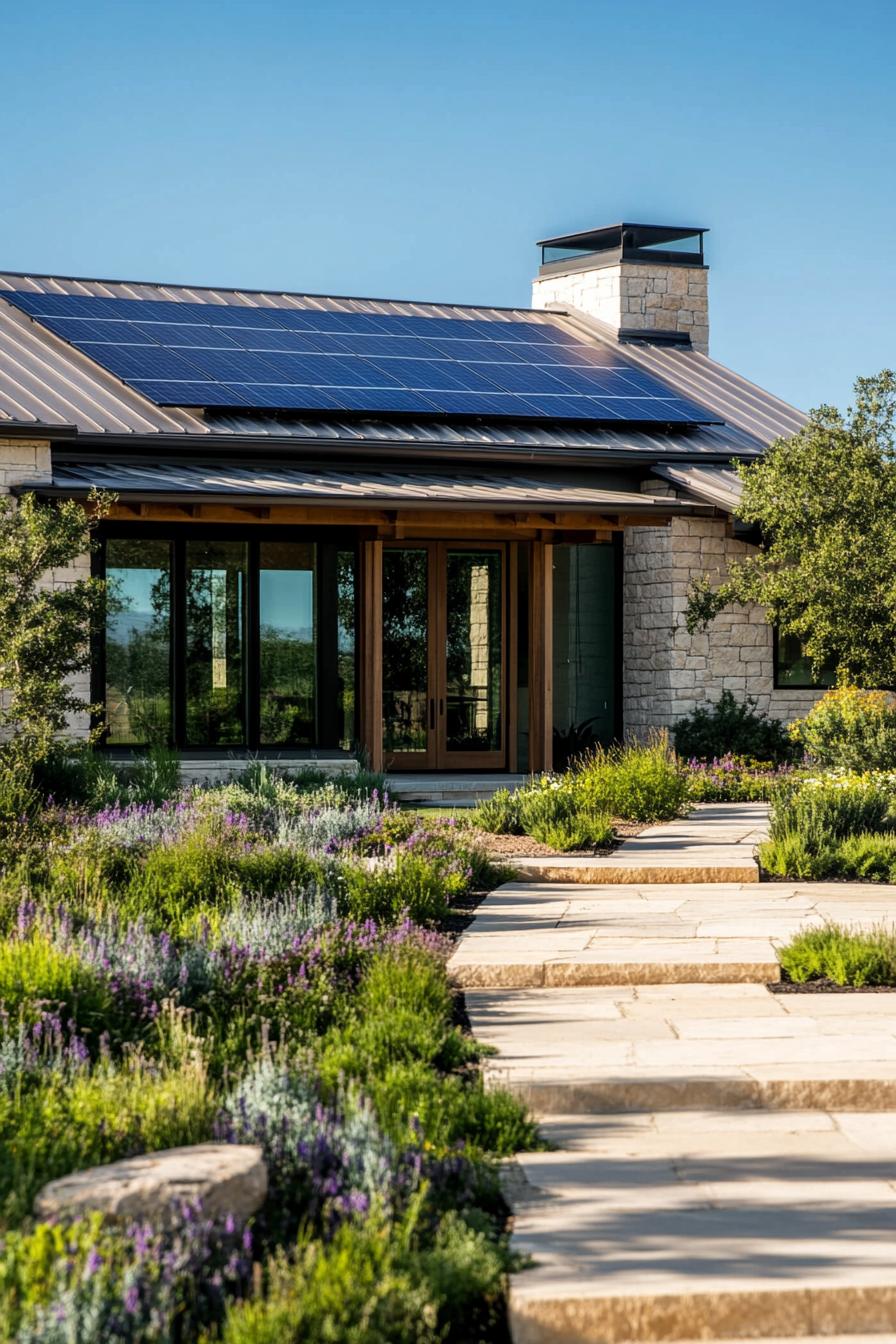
{"x": 223, "y": 1177}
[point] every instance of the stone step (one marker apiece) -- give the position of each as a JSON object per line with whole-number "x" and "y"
{"x": 528, "y": 935}
{"x": 704, "y": 1225}
{"x": 653, "y": 1047}
{"x": 715, "y": 863}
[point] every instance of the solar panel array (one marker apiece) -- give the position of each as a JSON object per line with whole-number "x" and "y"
{"x": 303, "y": 359}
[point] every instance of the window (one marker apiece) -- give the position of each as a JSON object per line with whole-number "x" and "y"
{"x": 585, "y": 648}
{"x": 222, "y": 641}
{"x": 793, "y": 669}
{"x": 138, "y": 641}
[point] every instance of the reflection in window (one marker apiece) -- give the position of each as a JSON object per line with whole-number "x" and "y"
{"x": 474, "y": 651}
{"x": 288, "y": 639}
{"x": 138, "y": 647}
{"x": 215, "y": 661}
{"x": 345, "y": 649}
{"x": 795, "y": 669}
{"x": 405, "y": 671}
{"x": 584, "y": 649}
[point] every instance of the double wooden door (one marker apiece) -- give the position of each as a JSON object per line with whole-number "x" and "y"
{"x": 443, "y": 651}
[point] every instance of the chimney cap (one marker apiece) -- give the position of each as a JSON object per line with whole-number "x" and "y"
{"x": 629, "y": 242}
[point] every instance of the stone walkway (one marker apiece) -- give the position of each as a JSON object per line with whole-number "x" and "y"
{"x": 723, "y": 1160}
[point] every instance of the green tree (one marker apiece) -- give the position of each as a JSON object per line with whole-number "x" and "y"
{"x": 824, "y": 502}
{"x": 44, "y": 630}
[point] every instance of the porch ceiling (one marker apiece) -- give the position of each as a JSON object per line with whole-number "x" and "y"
{"x": 360, "y": 488}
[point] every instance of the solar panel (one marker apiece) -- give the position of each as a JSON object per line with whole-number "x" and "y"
{"x": 302, "y": 358}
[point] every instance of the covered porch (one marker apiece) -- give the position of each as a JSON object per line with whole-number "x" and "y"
{"x": 427, "y": 622}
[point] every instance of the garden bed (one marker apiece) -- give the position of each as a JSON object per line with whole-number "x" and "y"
{"x": 227, "y": 965}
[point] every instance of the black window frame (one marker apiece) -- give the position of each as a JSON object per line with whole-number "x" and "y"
{"x": 780, "y": 685}
{"x": 329, "y": 542}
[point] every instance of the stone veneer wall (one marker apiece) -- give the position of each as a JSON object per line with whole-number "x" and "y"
{"x": 666, "y": 671}
{"x": 29, "y": 460}
{"x": 635, "y": 295}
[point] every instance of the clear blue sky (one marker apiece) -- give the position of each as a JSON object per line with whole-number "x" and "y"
{"x": 417, "y": 148}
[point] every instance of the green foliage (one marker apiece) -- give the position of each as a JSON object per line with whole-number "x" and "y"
{"x": 97, "y": 1117}
{"x": 75, "y": 773}
{"x": 835, "y": 825}
{"x": 731, "y": 727}
{"x": 557, "y": 814}
{"x": 44, "y": 630}
{"x": 847, "y": 956}
{"x": 500, "y": 814}
{"x": 411, "y": 884}
{"x": 380, "y": 1283}
{"x": 825, "y": 503}
{"x": 850, "y": 728}
{"x": 35, "y": 975}
{"x": 736, "y": 779}
{"x": 642, "y": 781}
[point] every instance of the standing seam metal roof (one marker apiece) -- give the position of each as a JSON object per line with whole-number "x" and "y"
{"x": 46, "y": 382}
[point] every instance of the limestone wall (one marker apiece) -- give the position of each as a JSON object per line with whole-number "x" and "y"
{"x": 635, "y": 295}
{"x": 29, "y": 460}
{"x": 666, "y": 671}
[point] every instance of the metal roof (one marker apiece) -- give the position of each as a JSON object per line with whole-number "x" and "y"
{"x": 357, "y": 487}
{"x": 720, "y": 486}
{"x": 46, "y": 384}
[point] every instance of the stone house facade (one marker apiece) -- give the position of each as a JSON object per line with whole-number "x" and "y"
{"x": 452, "y": 570}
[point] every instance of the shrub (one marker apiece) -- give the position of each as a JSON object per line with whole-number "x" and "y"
{"x": 90, "y": 1282}
{"x": 735, "y": 779}
{"x": 500, "y": 814}
{"x": 850, "y": 728}
{"x": 846, "y": 956}
{"x": 35, "y": 975}
{"x": 407, "y": 884}
{"x": 555, "y": 812}
{"x": 639, "y": 782}
{"x": 380, "y": 1283}
{"x": 824, "y": 808}
{"x": 731, "y": 727}
{"x": 99, "y": 1116}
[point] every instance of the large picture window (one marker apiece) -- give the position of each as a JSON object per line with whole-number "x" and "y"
{"x": 222, "y": 641}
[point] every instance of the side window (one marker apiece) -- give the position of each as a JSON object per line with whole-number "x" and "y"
{"x": 794, "y": 669}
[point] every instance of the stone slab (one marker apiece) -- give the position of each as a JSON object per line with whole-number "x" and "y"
{"x": 529, "y": 934}
{"x": 226, "y": 1178}
{"x": 579, "y": 1049}
{"x": 719, "y": 1226}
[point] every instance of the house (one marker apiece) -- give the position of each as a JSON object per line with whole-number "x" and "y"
{"x": 460, "y": 537}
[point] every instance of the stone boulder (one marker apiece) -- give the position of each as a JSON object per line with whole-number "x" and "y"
{"x": 223, "y": 1177}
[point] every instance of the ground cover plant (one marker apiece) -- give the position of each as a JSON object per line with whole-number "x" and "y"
{"x": 837, "y": 824}
{"x": 841, "y": 956}
{"x": 641, "y": 781}
{"x": 258, "y": 962}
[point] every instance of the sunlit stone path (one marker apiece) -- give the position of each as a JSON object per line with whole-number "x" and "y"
{"x": 723, "y": 1157}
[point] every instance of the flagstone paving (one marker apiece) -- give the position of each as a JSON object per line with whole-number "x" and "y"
{"x": 528, "y": 934}
{"x": 714, "y": 843}
{"x": 723, "y": 1158}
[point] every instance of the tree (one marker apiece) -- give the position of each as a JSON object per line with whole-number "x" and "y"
{"x": 824, "y": 502}
{"x": 44, "y": 630}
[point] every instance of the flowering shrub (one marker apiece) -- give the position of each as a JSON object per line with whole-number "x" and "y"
{"x": 835, "y": 824}
{"x": 88, "y": 1282}
{"x": 735, "y": 779}
{"x": 850, "y": 728}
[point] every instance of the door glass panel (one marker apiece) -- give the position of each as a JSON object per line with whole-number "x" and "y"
{"x": 473, "y": 651}
{"x": 138, "y": 641}
{"x": 215, "y": 643}
{"x": 345, "y": 648}
{"x": 584, "y": 654}
{"x": 405, "y": 640}
{"x": 287, "y": 613}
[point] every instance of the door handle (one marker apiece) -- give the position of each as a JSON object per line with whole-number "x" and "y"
{"x": 432, "y": 713}
{"x": 441, "y": 708}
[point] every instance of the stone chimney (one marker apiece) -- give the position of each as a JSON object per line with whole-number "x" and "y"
{"x": 646, "y": 281}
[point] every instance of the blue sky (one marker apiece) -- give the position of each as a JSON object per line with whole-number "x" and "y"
{"x": 417, "y": 150}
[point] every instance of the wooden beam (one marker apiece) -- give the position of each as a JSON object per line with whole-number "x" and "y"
{"x": 541, "y": 660}
{"x": 371, "y": 651}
